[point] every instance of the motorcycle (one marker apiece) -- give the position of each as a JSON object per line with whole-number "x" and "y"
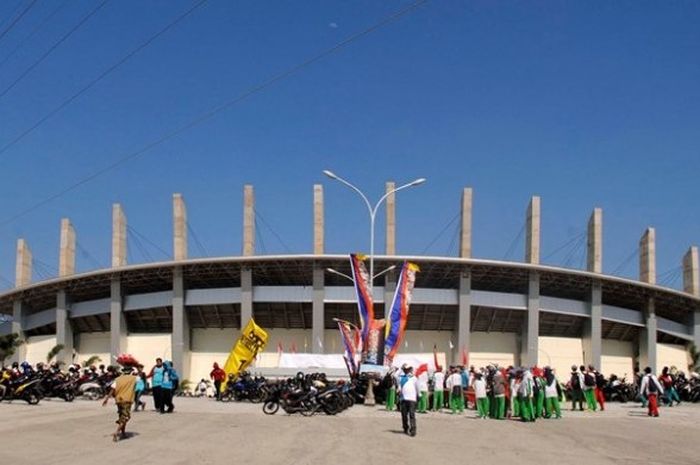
{"x": 24, "y": 388}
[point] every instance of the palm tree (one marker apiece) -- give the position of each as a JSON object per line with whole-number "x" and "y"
{"x": 91, "y": 361}
{"x": 694, "y": 358}
{"x": 53, "y": 352}
{"x": 8, "y": 346}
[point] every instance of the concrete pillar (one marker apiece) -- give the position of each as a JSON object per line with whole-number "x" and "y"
{"x": 595, "y": 242}
{"x": 691, "y": 273}
{"x": 317, "y": 311}
{"x": 531, "y": 326}
{"x": 647, "y": 257}
{"x": 117, "y": 322}
{"x": 647, "y": 338}
{"x": 19, "y": 311}
{"x": 179, "y": 228}
{"x": 118, "y": 236}
{"x": 23, "y": 265}
{"x": 593, "y": 328}
{"x": 532, "y": 233}
{"x": 64, "y": 330}
{"x": 248, "y": 221}
{"x": 181, "y": 326}
{"x": 465, "y": 238}
{"x": 66, "y": 255}
{"x": 390, "y": 219}
{"x": 318, "y": 220}
{"x": 246, "y": 295}
{"x": 463, "y": 327}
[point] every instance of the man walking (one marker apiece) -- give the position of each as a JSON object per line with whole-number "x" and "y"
{"x": 589, "y": 388}
{"x": 438, "y": 389}
{"x": 409, "y": 396}
{"x": 156, "y": 375}
{"x": 454, "y": 385}
{"x": 218, "y": 375}
{"x": 651, "y": 389}
{"x": 576, "y": 384}
{"x": 123, "y": 391}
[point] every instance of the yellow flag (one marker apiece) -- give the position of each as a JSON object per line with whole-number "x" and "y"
{"x": 253, "y": 340}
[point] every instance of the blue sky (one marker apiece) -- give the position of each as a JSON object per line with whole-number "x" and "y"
{"x": 584, "y": 103}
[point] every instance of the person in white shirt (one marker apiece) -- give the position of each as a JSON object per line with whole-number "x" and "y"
{"x": 409, "y": 396}
{"x": 423, "y": 389}
{"x": 482, "y": 401}
{"x": 438, "y": 389}
{"x": 454, "y": 385}
{"x": 651, "y": 389}
{"x": 551, "y": 394}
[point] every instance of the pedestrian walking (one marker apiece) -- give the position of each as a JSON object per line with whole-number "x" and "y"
{"x": 552, "y": 394}
{"x": 123, "y": 392}
{"x": 438, "y": 389}
{"x": 589, "y": 388}
{"x": 667, "y": 380}
{"x": 454, "y": 386}
{"x": 651, "y": 389}
{"x": 156, "y": 376}
{"x": 140, "y": 388}
{"x": 576, "y": 384}
{"x": 482, "y": 400}
{"x": 218, "y": 376}
{"x": 409, "y": 395}
{"x": 599, "y": 387}
{"x": 168, "y": 387}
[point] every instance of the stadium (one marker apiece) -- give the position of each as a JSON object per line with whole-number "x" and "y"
{"x": 191, "y": 310}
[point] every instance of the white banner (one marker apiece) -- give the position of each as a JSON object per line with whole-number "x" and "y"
{"x": 336, "y": 360}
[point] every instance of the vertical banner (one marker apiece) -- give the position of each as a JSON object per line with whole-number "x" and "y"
{"x": 253, "y": 340}
{"x": 365, "y": 301}
{"x": 348, "y": 334}
{"x": 398, "y": 314}
{"x": 375, "y": 343}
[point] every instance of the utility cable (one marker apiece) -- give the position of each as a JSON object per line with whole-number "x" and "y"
{"x": 54, "y": 47}
{"x": 102, "y": 75}
{"x": 514, "y": 244}
{"x": 34, "y": 31}
{"x": 218, "y": 109}
{"x": 439, "y": 234}
{"x": 16, "y": 20}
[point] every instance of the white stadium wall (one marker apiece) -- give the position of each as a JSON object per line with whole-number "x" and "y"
{"x": 146, "y": 348}
{"x": 90, "y": 344}
{"x": 618, "y": 358}
{"x": 670, "y": 355}
{"x": 560, "y": 353}
{"x": 209, "y": 346}
{"x": 38, "y": 347}
{"x": 487, "y": 348}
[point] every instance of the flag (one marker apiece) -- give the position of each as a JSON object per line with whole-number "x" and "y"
{"x": 320, "y": 343}
{"x": 374, "y": 351}
{"x": 348, "y": 334}
{"x": 435, "y": 359}
{"x": 398, "y": 314}
{"x": 465, "y": 357}
{"x": 279, "y": 348}
{"x": 452, "y": 346}
{"x": 294, "y": 347}
{"x": 365, "y": 301}
{"x": 252, "y": 341}
{"x": 422, "y": 368}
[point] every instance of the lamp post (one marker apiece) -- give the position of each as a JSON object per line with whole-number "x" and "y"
{"x": 372, "y": 215}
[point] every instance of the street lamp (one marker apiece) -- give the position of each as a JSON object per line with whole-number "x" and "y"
{"x": 372, "y": 214}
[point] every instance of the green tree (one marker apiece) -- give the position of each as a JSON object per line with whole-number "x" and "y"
{"x": 53, "y": 352}
{"x": 8, "y": 346}
{"x": 694, "y": 358}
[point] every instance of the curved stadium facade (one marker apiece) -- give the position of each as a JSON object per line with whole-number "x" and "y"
{"x": 190, "y": 310}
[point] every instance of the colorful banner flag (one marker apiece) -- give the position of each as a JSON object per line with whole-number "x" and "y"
{"x": 435, "y": 359}
{"x": 398, "y": 315}
{"x": 365, "y": 301}
{"x": 375, "y": 343}
{"x": 348, "y": 334}
{"x": 253, "y": 340}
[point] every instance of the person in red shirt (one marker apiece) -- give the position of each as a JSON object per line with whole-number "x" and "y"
{"x": 218, "y": 375}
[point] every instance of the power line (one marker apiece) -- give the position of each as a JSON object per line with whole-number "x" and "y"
{"x": 34, "y": 31}
{"x": 54, "y": 47}
{"x": 439, "y": 234}
{"x": 216, "y": 110}
{"x": 12, "y": 14}
{"x": 102, "y": 75}
{"x": 16, "y": 20}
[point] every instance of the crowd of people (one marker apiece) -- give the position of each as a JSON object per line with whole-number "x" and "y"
{"x": 524, "y": 393}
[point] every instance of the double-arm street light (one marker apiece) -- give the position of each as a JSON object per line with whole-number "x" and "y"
{"x": 372, "y": 215}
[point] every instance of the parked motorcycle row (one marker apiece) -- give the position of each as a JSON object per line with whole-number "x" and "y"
{"x": 310, "y": 394}
{"x": 23, "y": 382}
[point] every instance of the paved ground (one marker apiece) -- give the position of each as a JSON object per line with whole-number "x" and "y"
{"x": 205, "y": 432}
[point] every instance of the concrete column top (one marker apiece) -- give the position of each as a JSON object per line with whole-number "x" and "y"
{"x": 118, "y": 236}
{"x": 595, "y": 241}
{"x": 390, "y": 219}
{"x": 248, "y": 221}
{"x": 66, "y": 256}
{"x": 179, "y": 228}
{"x": 23, "y": 264}
{"x": 647, "y": 257}
{"x": 465, "y": 239}
{"x": 532, "y": 240}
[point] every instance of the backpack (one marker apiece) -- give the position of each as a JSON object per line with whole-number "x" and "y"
{"x": 575, "y": 381}
{"x": 651, "y": 386}
{"x": 588, "y": 380}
